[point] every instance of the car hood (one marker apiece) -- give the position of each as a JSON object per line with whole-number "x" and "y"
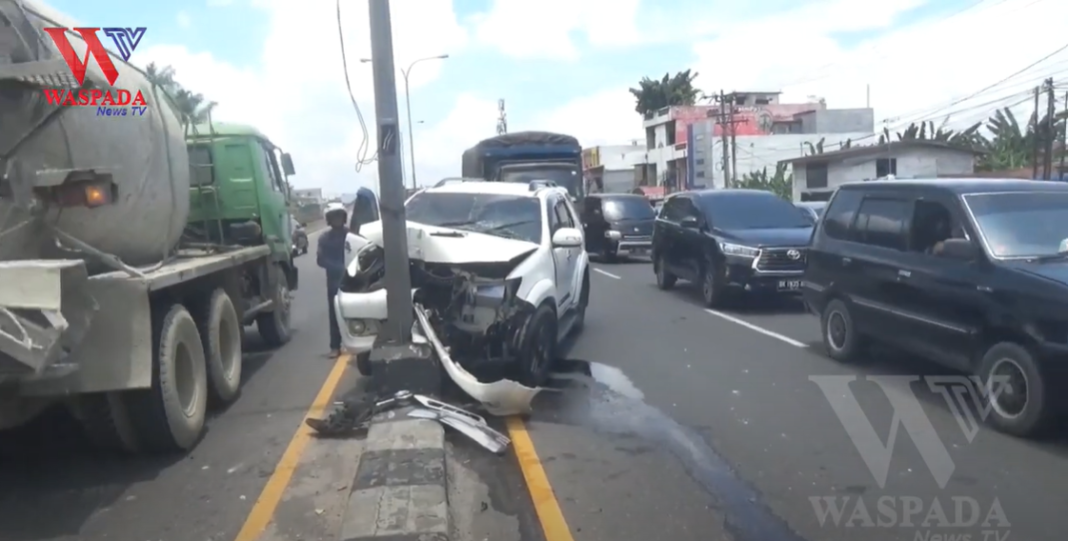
{"x": 760, "y": 238}
{"x": 1056, "y": 271}
{"x": 453, "y": 246}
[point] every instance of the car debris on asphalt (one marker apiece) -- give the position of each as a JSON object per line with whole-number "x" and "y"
{"x": 355, "y": 417}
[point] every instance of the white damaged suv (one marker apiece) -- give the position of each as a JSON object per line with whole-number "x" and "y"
{"x": 500, "y": 267}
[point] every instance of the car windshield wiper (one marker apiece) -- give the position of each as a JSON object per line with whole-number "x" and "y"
{"x": 1059, "y": 256}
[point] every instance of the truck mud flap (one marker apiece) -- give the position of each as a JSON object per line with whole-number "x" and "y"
{"x": 44, "y": 312}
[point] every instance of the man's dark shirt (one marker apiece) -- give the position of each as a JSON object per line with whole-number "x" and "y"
{"x": 331, "y": 256}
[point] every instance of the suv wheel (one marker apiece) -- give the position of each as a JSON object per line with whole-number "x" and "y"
{"x": 664, "y": 279}
{"x": 539, "y": 347}
{"x": 712, "y": 290}
{"x": 840, "y": 337}
{"x": 1015, "y": 390}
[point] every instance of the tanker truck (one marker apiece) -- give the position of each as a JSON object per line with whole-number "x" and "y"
{"x": 133, "y": 250}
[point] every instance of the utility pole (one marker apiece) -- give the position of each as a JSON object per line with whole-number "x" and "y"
{"x": 398, "y": 327}
{"x": 726, "y": 121}
{"x": 1034, "y": 150}
{"x": 1064, "y": 139}
{"x": 502, "y": 118}
{"x": 723, "y": 139}
{"x": 734, "y": 145}
{"x": 1051, "y": 111}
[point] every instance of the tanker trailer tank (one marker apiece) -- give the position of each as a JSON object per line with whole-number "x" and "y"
{"x": 117, "y": 183}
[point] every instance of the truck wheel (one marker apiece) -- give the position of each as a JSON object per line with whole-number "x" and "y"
{"x": 170, "y": 416}
{"x": 274, "y": 325}
{"x": 221, "y": 333}
{"x": 106, "y": 421}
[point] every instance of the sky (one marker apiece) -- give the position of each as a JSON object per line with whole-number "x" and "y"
{"x": 566, "y": 65}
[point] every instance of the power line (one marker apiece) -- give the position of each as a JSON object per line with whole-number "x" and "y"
{"x": 361, "y": 151}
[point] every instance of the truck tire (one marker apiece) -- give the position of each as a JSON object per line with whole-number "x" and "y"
{"x": 105, "y": 420}
{"x": 221, "y": 331}
{"x": 274, "y": 325}
{"x": 169, "y": 417}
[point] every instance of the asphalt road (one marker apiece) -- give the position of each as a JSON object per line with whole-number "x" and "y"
{"x": 52, "y": 487}
{"x": 675, "y": 422}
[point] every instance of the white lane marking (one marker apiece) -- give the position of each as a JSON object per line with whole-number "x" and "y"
{"x": 606, "y": 273}
{"x": 756, "y": 328}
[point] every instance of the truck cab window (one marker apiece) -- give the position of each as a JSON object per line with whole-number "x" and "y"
{"x": 273, "y": 172}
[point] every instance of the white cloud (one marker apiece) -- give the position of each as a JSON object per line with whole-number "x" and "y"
{"x": 525, "y": 30}
{"x": 912, "y": 70}
{"x": 299, "y": 99}
{"x": 184, "y": 20}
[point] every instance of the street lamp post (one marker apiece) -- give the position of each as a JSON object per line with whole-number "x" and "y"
{"x": 408, "y": 106}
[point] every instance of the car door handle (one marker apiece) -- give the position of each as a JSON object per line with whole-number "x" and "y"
{"x": 985, "y": 289}
{"x": 903, "y": 273}
{"x": 846, "y": 261}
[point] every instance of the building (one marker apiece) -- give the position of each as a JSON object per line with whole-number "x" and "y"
{"x": 685, "y": 143}
{"x": 817, "y": 176}
{"x": 611, "y": 168}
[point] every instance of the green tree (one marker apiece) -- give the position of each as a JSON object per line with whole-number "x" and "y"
{"x": 780, "y": 183}
{"x": 193, "y": 107}
{"x": 653, "y": 94}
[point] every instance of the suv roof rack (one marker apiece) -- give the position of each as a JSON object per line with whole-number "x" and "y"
{"x": 536, "y": 185}
{"x": 455, "y": 180}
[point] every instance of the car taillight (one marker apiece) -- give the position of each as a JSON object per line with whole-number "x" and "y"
{"x": 85, "y": 194}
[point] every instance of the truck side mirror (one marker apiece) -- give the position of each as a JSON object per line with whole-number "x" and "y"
{"x": 287, "y": 164}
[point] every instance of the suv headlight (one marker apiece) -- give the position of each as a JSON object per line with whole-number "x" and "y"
{"x": 738, "y": 250}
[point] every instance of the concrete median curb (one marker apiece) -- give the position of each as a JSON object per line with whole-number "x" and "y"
{"x": 400, "y": 489}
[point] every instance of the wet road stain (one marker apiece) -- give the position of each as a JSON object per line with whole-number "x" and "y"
{"x": 602, "y": 398}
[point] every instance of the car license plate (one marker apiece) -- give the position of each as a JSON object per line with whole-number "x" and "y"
{"x": 637, "y": 251}
{"x": 789, "y": 285}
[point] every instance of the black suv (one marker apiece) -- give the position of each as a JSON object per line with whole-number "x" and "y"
{"x": 747, "y": 240}
{"x": 972, "y": 274}
{"x": 618, "y": 224}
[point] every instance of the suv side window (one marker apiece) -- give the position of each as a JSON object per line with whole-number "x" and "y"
{"x": 561, "y": 217}
{"x": 839, "y": 215}
{"x": 672, "y": 210}
{"x": 882, "y": 221}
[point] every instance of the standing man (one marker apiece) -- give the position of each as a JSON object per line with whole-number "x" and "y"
{"x": 332, "y": 256}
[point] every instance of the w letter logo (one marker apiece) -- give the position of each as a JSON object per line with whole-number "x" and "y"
{"x": 126, "y": 40}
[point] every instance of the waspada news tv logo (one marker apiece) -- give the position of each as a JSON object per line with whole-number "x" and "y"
{"x": 108, "y": 102}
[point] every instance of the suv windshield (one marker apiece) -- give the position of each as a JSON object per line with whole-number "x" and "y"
{"x": 564, "y": 177}
{"x": 509, "y": 216}
{"x": 753, "y": 211}
{"x": 1022, "y": 224}
{"x": 628, "y": 208}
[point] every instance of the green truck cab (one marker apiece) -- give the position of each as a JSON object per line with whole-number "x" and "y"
{"x": 239, "y": 190}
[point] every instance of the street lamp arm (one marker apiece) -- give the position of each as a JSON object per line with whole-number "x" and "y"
{"x": 408, "y": 106}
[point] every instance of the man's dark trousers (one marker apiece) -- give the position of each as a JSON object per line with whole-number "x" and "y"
{"x": 335, "y": 331}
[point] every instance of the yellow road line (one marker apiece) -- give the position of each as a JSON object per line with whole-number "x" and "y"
{"x": 263, "y": 510}
{"x": 541, "y": 492}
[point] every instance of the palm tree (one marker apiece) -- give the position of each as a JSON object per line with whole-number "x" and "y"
{"x": 192, "y": 107}
{"x": 653, "y": 94}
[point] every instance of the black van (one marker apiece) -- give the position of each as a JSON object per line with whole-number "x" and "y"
{"x": 970, "y": 273}
{"x": 618, "y": 224}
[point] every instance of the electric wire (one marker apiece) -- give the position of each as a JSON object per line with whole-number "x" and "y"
{"x": 361, "y": 151}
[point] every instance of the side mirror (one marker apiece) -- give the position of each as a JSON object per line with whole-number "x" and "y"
{"x": 567, "y": 237}
{"x": 689, "y": 223}
{"x": 962, "y": 249}
{"x": 287, "y": 164}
